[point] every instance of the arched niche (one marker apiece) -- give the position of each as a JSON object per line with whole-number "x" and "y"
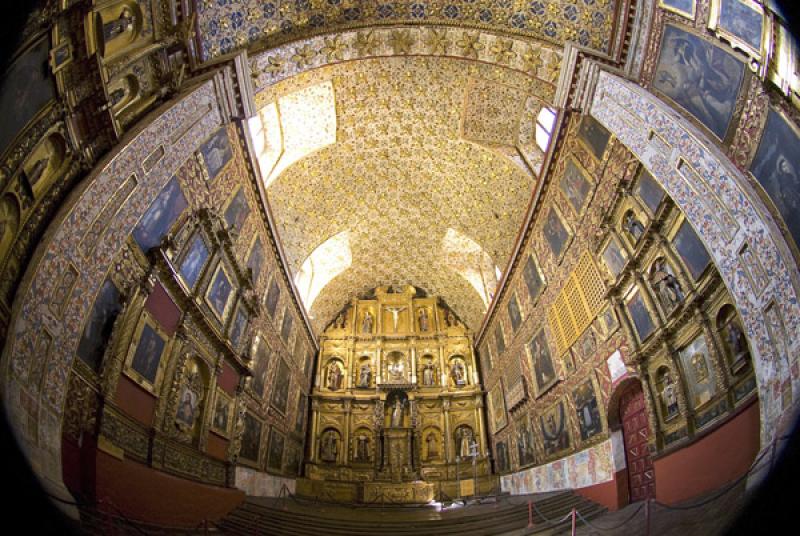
{"x": 114, "y": 28}
{"x": 463, "y": 437}
{"x": 362, "y": 445}
{"x": 734, "y": 342}
{"x": 457, "y": 371}
{"x": 428, "y": 374}
{"x": 364, "y": 376}
{"x": 334, "y": 374}
{"x": 330, "y": 443}
{"x": 190, "y": 406}
{"x": 432, "y": 447}
{"x": 737, "y": 229}
{"x": 45, "y": 163}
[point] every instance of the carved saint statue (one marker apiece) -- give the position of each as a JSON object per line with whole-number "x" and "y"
{"x": 115, "y": 28}
{"x": 423, "y": 320}
{"x": 666, "y": 285}
{"x": 457, "y": 372}
{"x": 700, "y": 367}
{"x": 397, "y": 413}
{"x": 362, "y": 448}
{"x": 366, "y": 324}
{"x": 633, "y": 226}
{"x": 329, "y": 447}
{"x": 428, "y": 373}
{"x": 364, "y": 375}
{"x": 38, "y": 169}
{"x": 737, "y": 344}
{"x": 450, "y": 319}
{"x": 334, "y": 377}
{"x": 464, "y": 442}
{"x": 340, "y": 321}
{"x": 432, "y": 446}
{"x": 669, "y": 395}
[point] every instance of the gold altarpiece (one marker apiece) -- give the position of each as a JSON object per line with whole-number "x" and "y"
{"x": 397, "y": 404}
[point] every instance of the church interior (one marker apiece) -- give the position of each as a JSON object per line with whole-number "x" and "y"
{"x": 402, "y": 266}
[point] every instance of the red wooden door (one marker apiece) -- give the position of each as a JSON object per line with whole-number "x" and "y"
{"x": 636, "y": 432}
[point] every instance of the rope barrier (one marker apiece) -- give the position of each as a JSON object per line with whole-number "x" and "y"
{"x": 615, "y": 527}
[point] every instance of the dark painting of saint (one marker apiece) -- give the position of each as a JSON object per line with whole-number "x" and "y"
{"x": 255, "y": 260}
{"x": 575, "y": 186}
{"x": 273, "y": 295}
{"x": 160, "y": 216}
{"x": 148, "y": 354}
{"x": 777, "y": 168}
{"x": 640, "y": 315}
{"x": 499, "y": 340}
{"x": 595, "y": 135}
{"x": 280, "y": 388}
{"x": 220, "y": 422}
{"x": 544, "y": 372}
{"x": 219, "y": 293}
{"x": 193, "y": 262}
{"x": 187, "y": 408}
{"x": 742, "y": 21}
{"x": 251, "y": 438}
{"x": 237, "y": 211}
{"x": 300, "y": 417}
{"x": 587, "y": 412}
{"x": 260, "y": 368}
{"x": 649, "y": 191}
{"x": 216, "y": 152}
{"x": 554, "y": 430}
{"x": 513, "y": 312}
{"x": 98, "y": 328}
{"x": 286, "y": 325}
{"x": 275, "y": 453}
{"x": 614, "y": 257}
{"x": 532, "y": 278}
{"x": 555, "y": 233}
{"x": 702, "y": 78}
{"x": 691, "y": 250}
{"x": 239, "y": 327}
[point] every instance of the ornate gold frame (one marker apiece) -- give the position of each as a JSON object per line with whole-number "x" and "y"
{"x": 537, "y": 391}
{"x": 714, "y": 19}
{"x": 588, "y": 177}
{"x": 231, "y": 298}
{"x": 567, "y": 427}
{"x": 663, "y": 5}
{"x": 654, "y": 316}
{"x": 179, "y": 261}
{"x": 272, "y": 433}
{"x": 146, "y": 320}
{"x": 567, "y": 227}
{"x": 221, "y": 395}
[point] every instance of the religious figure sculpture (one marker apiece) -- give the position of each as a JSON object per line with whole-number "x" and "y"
{"x": 366, "y": 324}
{"x": 737, "y": 344}
{"x": 397, "y": 413}
{"x": 669, "y": 396}
{"x": 340, "y": 321}
{"x": 428, "y": 373}
{"x": 334, "y": 377}
{"x": 115, "y": 28}
{"x": 364, "y": 375}
{"x": 450, "y": 319}
{"x": 329, "y": 447}
{"x": 432, "y": 446}
{"x": 457, "y": 372}
{"x": 362, "y": 445}
{"x": 37, "y": 170}
{"x": 667, "y": 287}
{"x": 423, "y": 320}
{"x": 633, "y": 226}
{"x": 465, "y": 442}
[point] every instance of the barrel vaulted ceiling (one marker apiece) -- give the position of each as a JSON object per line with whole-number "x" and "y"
{"x": 227, "y": 25}
{"x": 422, "y": 181}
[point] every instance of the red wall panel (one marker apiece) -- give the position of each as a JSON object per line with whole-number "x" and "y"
{"x": 229, "y": 379}
{"x": 163, "y": 309}
{"x": 217, "y": 446}
{"x": 135, "y": 401}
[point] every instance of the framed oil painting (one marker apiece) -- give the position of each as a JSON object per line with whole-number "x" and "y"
{"x": 239, "y": 326}
{"x": 541, "y": 360}
{"x": 60, "y": 56}
{"x": 639, "y": 314}
{"x": 594, "y": 136}
{"x": 649, "y": 191}
{"x": 191, "y": 265}
{"x": 703, "y": 79}
{"x": 686, "y": 8}
{"x": 146, "y": 355}
{"x": 223, "y": 413}
{"x": 216, "y": 152}
{"x": 255, "y": 259}
{"x": 533, "y": 278}
{"x": 499, "y": 340}
{"x": 219, "y": 295}
{"x": 586, "y": 410}
{"x": 555, "y": 429}
{"x": 275, "y": 451}
{"x": 25, "y": 90}
{"x": 524, "y": 437}
{"x": 555, "y": 232}
{"x": 575, "y": 185}
{"x": 286, "y": 325}
{"x": 514, "y": 315}
{"x": 776, "y": 167}
{"x": 97, "y": 330}
{"x": 160, "y": 215}
{"x": 607, "y": 322}
{"x": 300, "y": 415}
{"x": 251, "y": 439}
{"x": 498, "y": 407}
{"x": 280, "y": 387}
{"x": 615, "y": 257}
{"x": 698, "y": 371}
{"x": 691, "y": 250}
{"x": 294, "y": 460}
{"x": 273, "y": 295}
{"x": 260, "y": 366}
{"x": 741, "y": 22}
{"x": 237, "y": 210}
{"x": 501, "y": 455}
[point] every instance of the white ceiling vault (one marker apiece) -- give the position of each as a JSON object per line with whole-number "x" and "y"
{"x": 424, "y": 176}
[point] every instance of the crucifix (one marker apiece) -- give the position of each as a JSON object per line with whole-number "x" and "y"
{"x": 395, "y": 311}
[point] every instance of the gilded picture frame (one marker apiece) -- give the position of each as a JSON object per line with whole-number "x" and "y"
{"x": 542, "y": 364}
{"x": 229, "y": 300}
{"x": 222, "y": 417}
{"x": 251, "y": 451}
{"x": 497, "y": 408}
{"x": 149, "y": 340}
{"x": 552, "y": 236}
{"x": 577, "y": 194}
{"x": 743, "y": 24}
{"x": 61, "y": 55}
{"x": 190, "y": 256}
{"x": 554, "y": 427}
{"x": 684, "y": 8}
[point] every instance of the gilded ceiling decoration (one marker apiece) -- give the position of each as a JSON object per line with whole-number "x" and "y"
{"x": 226, "y": 25}
{"x": 401, "y": 175}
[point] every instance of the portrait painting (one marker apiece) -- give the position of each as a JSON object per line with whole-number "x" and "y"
{"x": 742, "y": 20}
{"x": 273, "y": 295}
{"x": 261, "y": 358}
{"x": 280, "y": 387}
{"x": 513, "y": 312}
{"x": 25, "y": 90}
{"x": 607, "y": 322}
{"x": 275, "y": 451}
{"x": 698, "y": 371}
{"x": 237, "y": 211}
{"x": 524, "y": 437}
{"x": 640, "y": 315}
{"x": 255, "y": 260}
{"x": 193, "y": 260}
{"x": 498, "y": 407}
{"x": 251, "y": 439}
{"x": 649, "y": 191}
{"x": 286, "y": 325}
{"x": 239, "y": 326}
{"x": 588, "y": 344}
{"x": 220, "y": 293}
{"x": 575, "y": 186}
{"x": 681, "y": 7}
{"x": 97, "y": 331}
{"x": 594, "y": 136}
{"x": 614, "y": 257}
{"x": 216, "y": 152}
{"x": 188, "y": 405}
{"x": 160, "y": 215}
{"x": 776, "y": 167}
{"x": 586, "y": 410}
{"x": 499, "y": 340}
{"x": 702, "y": 78}
{"x": 533, "y": 278}
{"x": 691, "y": 249}
{"x": 555, "y": 233}
{"x": 554, "y": 428}
{"x": 501, "y": 454}
{"x": 145, "y": 359}
{"x": 223, "y": 407}
{"x": 300, "y": 416}
{"x": 544, "y": 372}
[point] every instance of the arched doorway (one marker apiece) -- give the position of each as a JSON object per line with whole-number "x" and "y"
{"x": 632, "y": 414}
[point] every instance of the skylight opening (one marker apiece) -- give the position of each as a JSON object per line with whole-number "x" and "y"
{"x": 328, "y": 260}
{"x": 467, "y": 258}
{"x": 544, "y": 127}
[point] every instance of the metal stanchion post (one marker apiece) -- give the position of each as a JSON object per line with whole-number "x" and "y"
{"x": 530, "y": 514}
{"x": 647, "y": 516}
{"x": 574, "y": 521}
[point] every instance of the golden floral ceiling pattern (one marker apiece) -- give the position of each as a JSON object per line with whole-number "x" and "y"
{"x": 401, "y": 173}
